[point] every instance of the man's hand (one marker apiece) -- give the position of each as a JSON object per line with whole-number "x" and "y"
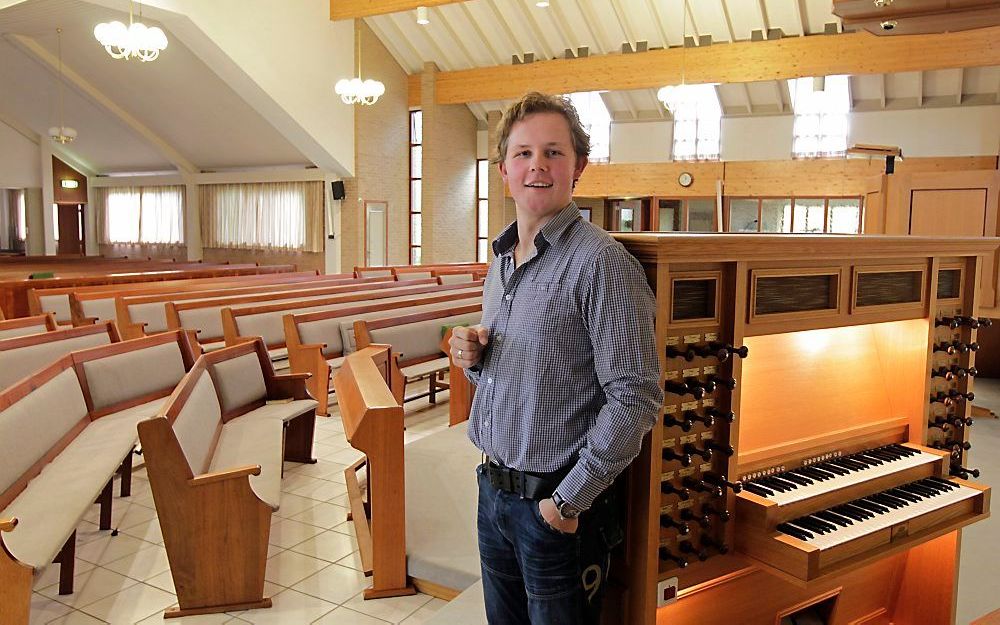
{"x": 550, "y": 513}
{"x": 467, "y": 344}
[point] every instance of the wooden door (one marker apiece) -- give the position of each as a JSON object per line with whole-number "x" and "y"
{"x": 70, "y": 229}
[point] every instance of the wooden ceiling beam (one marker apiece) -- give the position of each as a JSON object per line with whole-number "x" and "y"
{"x": 353, "y": 9}
{"x": 793, "y": 57}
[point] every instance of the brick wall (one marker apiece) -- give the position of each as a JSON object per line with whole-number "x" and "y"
{"x": 449, "y": 177}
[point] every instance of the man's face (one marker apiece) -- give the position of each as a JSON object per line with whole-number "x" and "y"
{"x": 540, "y": 165}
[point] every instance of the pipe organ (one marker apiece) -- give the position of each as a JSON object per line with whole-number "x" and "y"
{"x": 813, "y": 451}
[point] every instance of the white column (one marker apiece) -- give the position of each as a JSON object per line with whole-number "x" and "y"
{"x": 48, "y": 198}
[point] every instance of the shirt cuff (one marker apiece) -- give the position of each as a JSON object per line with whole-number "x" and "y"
{"x": 472, "y": 373}
{"x": 580, "y": 489}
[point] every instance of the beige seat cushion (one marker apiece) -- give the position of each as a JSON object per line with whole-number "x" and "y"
{"x": 425, "y": 368}
{"x": 245, "y": 442}
{"x": 239, "y": 381}
{"x": 50, "y": 508}
{"x": 282, "y": 411}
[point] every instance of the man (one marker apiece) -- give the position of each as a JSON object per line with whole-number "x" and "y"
{"x": 568, "y": 380}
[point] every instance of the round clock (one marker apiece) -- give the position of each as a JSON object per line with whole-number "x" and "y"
{"x": 685, "y": 179}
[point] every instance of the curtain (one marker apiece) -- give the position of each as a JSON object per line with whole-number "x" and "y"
{"x": 12, "y": 217}
{"x": 269, "y": 215}
{"x": 140, "y": 214}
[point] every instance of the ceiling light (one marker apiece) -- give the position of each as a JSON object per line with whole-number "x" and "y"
{"x": 542, "y": 4}
{"x": 133, "y": 41}
{"x": 61, "y": 133}
{"x": 69, "y": 184}
{"x": 422, "y": 16}
{"x": 358, "y": 90}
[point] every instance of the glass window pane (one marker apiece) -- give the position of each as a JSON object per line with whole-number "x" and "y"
{"x": 669, "y": 215}
{"x": 776, "y": 215}
{"x": 585, "y": 214}
{"x": 484, "y": 178}
{"x": 626, "y": 220}
{"x": 743, "y": 216}
{"x": 416, "y": 127}
{"x": 415, "y": 223}
{"x": 808, "y": 215}
{"x": 415, "y": 190}
{"x": 482, "y": 251}
{"x": 414, "y": 255}
{"x": 416, "y": 164}
{"x": 484, "y": 221}
{"x": 701, "y": 215}
{"x": 845, "y": 216}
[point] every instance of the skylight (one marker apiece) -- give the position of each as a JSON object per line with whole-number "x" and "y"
{"x": 697, "y": 122}
{"x": 596, "y": 121}
{"x": 821, "y": 121}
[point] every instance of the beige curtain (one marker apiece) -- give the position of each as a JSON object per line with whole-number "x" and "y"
{"x": 269, "y": 215}
{"x": 12, "y": 219}
{"x": 152, "y": 215}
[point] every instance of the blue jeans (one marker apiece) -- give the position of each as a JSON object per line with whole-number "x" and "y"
{"x": 532, "y": 573}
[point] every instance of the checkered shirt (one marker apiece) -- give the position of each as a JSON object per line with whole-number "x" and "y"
{"x": 570, "y": 377}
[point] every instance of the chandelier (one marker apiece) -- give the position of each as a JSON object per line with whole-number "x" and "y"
{"x": 133, "y": 41}
{"x": 673, "y": 96}
{"x": 61, "y": 133}
{"x": 357, "y": 90}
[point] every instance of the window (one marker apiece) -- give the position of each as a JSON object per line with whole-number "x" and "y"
{"x": 596, "y": 121}
{"x": 416, "y": 166}
{"x": 684, "y": 214}
{"x": 697, "y": 123}
{"x": 482, "y": 210}
{"x": 821, "y": 123}
{"x": 271, "y": 215}
{"x": 141, "y": 214}
{"x": 802, "y": 215}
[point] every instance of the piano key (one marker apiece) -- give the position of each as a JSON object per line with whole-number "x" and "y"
{"x": 791, "y": 530}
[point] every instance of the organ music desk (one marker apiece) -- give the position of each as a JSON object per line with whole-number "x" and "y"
{"x": 812, "y": 452}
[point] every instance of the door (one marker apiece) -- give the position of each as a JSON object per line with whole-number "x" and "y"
{"x": 376, "y": 234}
{"x": 69, "y": 229}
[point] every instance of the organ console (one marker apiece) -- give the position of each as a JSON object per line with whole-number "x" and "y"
{"x": 800, "y": 461}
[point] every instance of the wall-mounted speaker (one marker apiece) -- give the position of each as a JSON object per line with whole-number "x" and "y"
{"x": 337, "y": 186}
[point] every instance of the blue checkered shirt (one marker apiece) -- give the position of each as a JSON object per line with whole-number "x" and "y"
{"x": 570, "y": 377}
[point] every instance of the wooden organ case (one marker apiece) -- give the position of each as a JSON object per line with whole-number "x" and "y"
{"x": 812, "y": 452}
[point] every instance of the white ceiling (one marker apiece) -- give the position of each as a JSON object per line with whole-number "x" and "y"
{"x": 178, "y": 98}
{"x": 482, "y": 33}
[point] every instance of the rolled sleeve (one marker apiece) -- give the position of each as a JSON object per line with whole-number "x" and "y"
{"x": 619, "y": 309}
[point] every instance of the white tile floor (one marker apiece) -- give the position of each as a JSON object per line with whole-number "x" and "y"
{"x": 313, "y": 569}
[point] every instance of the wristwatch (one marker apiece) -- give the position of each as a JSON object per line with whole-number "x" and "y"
{"x": 566, "y": 509}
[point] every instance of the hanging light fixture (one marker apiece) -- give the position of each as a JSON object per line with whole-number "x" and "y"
{"x": 357, "y": 90}
{"x": 133, "y": 41}
{"x": 422, "y": 17}
{"x": 672, "y": 96}
{"x": 61, "y": 133}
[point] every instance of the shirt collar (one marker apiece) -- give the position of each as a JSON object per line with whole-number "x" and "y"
{"x": 549, "y": 233}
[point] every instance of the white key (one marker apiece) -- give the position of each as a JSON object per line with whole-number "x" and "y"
{"x": 855, "y": 477}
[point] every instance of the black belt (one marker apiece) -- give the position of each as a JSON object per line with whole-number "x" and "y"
{"x": 527, "y": 485}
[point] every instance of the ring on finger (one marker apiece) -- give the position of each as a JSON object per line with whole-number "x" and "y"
{"x": 459, "y": 353}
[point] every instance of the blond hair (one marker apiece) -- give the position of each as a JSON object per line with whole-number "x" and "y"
{"x": 536, "y": 102}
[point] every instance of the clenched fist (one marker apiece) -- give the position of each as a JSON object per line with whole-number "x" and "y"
{"x": 467, "y": 345}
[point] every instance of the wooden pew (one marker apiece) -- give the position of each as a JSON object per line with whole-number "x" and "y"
{"x": 318, "y": 342}
{"x": 146, "y": 314}
{"x": 243, "y": 323}
{"x": 205, "y": 316}
{"x": 65, "y": 432}
{"x": 461, "y": 392}
{"x": 416, "y": 343}
{"x": 387, "y": 270}
{"x": 23, "y": 326}
{"x": 373, "y": 423}
{"x": 23, "y": 355}
{"x": 214, "y": 456}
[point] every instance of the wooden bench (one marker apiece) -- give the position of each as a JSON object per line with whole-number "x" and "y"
{"x": 23, "y": 326}
{"x": 416, "y": 343}
{"x": 98, "y": 303}
{"x": 65, "y": 432}
{"x": 23, "y": 355}
{"x": 387, "y": 270}
{"x": 318, "y": 342}
{"x": 214, "y": 459}
{"x": 205, "y": 316}
{"x": 147, "y": 314}
{"x": 243, "y": 323}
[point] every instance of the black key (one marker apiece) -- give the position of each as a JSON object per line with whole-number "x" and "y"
{"x": 858, "y": 510}
{"x": 794, "y": 531}
{"x": 812, "y": 524}
{"x": 775, "y": 484}
{"x": 846, "y": 464}
{"x": 823, "y": 523}
{"x": 906, "y": 451}
{"x": 798, "y": 479}
{"x": 885, "y": 501}
{"x": 832, "y": 468}
{"x": 826, "y": 515}
{"x": 869, "y": 459}
{"x": 816, "y": 475}
{"x": 789, "y": 484}
{"x": 902, "y": 494}
{"x": 850, "y": 513}
{"x": 928, "y": 491}
{"x": 945, "y": 483}
{"x": 870, "y": 505}
{"x": 756, "y": 489}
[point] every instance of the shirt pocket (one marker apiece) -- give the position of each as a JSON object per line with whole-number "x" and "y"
{"x": 550, "y": 307}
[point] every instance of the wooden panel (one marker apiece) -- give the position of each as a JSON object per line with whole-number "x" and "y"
{"x": 638, "y": 179}
{"x": 948, "y": 212}
{"x": 413, "y": 94}
{"x": 351, "y": 9}
{"x": 791, "y": 57}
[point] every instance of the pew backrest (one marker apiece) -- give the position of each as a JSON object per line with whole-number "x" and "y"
{"x": 23, "y": 326}
{"x": 22, "y": 356}
{"x": 416, "y": 336}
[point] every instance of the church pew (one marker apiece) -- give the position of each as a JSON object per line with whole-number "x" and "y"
{"x": 415, "y": 338}
{"x": 146, "y": 314}
{"x": 23, "y": 355}
{"x": 318, "y": 342}
{"x": 387, "y": 270}
{"x": 243, "y": 323}
{"x": 23, "y": 326}
{"x": 65, "y": 431}
{"x": 214, "y": 457}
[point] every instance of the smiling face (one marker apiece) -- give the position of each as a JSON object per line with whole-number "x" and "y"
{"x": 541, "y": 165}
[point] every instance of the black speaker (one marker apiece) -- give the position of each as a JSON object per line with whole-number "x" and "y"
{"x": 337, "y": 186}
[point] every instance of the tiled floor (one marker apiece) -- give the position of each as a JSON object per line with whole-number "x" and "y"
{"x": 313, "y": 569}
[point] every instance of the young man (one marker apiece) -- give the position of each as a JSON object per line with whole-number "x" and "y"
{"x": 568, "y": 380}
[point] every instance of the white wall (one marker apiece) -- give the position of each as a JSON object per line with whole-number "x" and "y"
{"x": 641, "y": 142}
{"x": 953, "y": 131}
{"x": 757, "y": 138}
{"x": 19, "y": 160}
